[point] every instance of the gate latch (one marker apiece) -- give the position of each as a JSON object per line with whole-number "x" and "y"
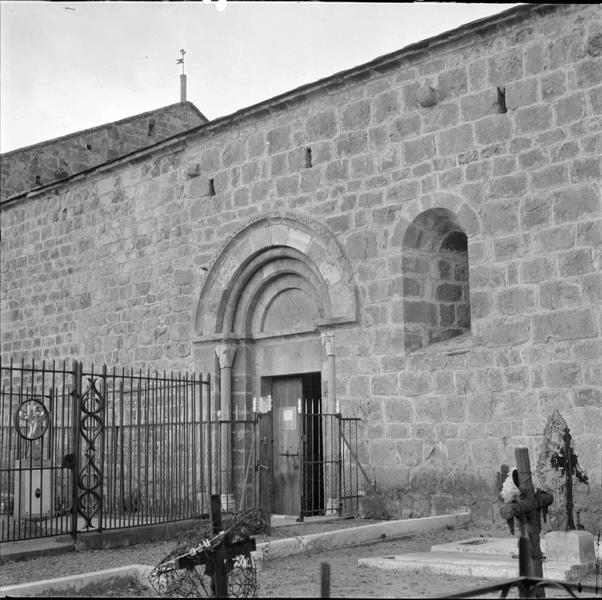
{"x": 68, "y": 461}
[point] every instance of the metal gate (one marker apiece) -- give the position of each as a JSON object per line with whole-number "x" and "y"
{"x": 87, "y": 450}
{"x": 330, "y": 469}
{"x": 329, "y": 481}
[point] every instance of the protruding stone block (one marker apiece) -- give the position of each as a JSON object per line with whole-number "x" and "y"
{"x": 575, "y": 547}
{"x": 426, "y": 96}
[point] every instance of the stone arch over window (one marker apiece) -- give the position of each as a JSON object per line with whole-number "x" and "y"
{"x": 435, "y": 277}
{"x": 281, "y": 272}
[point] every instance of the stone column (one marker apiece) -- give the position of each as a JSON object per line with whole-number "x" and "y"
{"x": 331, "y": 430}
{"x": 331, "y": 405}
{"x": 225, "y": 356}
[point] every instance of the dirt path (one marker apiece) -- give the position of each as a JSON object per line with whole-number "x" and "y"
{"x": 294, "y": 576}
{"x": 299, "y": 576}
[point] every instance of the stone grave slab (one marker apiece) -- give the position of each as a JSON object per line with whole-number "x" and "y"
{"x": 496, "y": 558}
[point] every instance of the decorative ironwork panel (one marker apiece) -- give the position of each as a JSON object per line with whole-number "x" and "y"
{"x": 36, "y": 485}
{"x": 92, "y": 406}
{"x": 32, "y": 419}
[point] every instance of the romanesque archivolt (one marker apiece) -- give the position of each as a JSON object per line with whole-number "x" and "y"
{"x": 279, "y": 268}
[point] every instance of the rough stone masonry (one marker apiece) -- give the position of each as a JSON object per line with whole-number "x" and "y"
{"x": 423, "y": 231}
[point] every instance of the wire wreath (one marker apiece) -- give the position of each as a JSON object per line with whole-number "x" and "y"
{"x": 169, "y": 580}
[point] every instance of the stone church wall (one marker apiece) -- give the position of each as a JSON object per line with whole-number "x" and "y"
{"x": 49, "y": 161}
{"x": 495, "y": 131}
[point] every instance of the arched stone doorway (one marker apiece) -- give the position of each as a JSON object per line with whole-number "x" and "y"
{"x": 269, "y": 308}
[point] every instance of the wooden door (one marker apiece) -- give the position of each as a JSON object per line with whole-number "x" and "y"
{"x": 286, "y": 392}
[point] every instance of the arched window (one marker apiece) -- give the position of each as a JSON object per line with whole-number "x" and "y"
{"x": 435, "y": 278}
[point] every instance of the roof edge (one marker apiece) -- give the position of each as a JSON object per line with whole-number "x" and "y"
{"x": 98, "y": 127}
{"x": 276, "y": 102}
{"x": 381, "y": 61}
{"x": 194, "y": 108}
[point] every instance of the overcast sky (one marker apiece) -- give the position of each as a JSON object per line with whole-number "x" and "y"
{"x": 69, "y": 66}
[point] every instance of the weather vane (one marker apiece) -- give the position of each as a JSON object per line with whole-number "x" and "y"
{"x": 180, "y": 61}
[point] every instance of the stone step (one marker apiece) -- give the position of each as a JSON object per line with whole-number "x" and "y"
{"x": 470, "y": 564}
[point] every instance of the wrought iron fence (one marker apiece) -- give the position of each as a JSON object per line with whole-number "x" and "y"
{"x": 330, "y": 469}
{"x": 351, "y": 468}
{"x": 93, "y": 449}
{"x": 529, "y": 587}
{"x": 146, "y": 448}
{"x": 35, "y": 425}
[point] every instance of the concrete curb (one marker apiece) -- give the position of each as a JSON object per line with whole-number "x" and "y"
{"x": 140, "y": 534}
{"x": 79, "y": 583}
{"x": 356, "y": 536}
{"x": 16, "y": 551}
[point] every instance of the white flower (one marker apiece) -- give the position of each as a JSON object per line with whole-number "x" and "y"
{"x": 509, "y": 491}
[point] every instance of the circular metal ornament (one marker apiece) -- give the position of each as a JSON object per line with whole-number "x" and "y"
{"x": 32, "y": 419}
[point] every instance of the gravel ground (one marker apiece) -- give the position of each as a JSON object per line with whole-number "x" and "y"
{"x": 294, "y": 576}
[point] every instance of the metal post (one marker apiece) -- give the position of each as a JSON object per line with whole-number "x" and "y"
{"x": 265, "y": 467}
{"x": 301, "y": 455}
{"x": 570, "y": 523}
{"x": 340, "y": 463}
{"x": 324, "y": 580}
{"x": 76, "y": 394}
{"x": 220, "y": 575}
{"x": 101, "y": 448}
{"x": 524, "y": 564}
{"x": 216, "y": 514}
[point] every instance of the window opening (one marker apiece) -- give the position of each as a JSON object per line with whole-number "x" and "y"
{"x": 435, "y": 277}
{"x": 501, "y": 100}
{"x": 307, "y": 158}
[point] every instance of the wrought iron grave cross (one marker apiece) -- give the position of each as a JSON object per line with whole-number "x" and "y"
{"x": 527, "y": 510}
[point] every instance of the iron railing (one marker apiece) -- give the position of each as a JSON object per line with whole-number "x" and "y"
{"x": 35, "y": 425}
{"x": 152, "y": 448}
{"x": 93, "y": 449}
{"x": 529, "y": 587}
{"x": 330, "y": 468}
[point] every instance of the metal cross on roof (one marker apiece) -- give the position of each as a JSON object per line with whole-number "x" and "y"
{"x": 180, "y": 61}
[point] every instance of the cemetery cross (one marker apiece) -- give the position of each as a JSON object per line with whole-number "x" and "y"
{"x": 527, "y": 509}
{"x": 219, "y": 554}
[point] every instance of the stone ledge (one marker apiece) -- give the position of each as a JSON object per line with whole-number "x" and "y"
{"x": 460, "y": 344}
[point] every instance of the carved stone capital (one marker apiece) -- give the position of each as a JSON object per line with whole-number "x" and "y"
{"x": 225, "y": 355}
{"x": 328, "y": 340}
